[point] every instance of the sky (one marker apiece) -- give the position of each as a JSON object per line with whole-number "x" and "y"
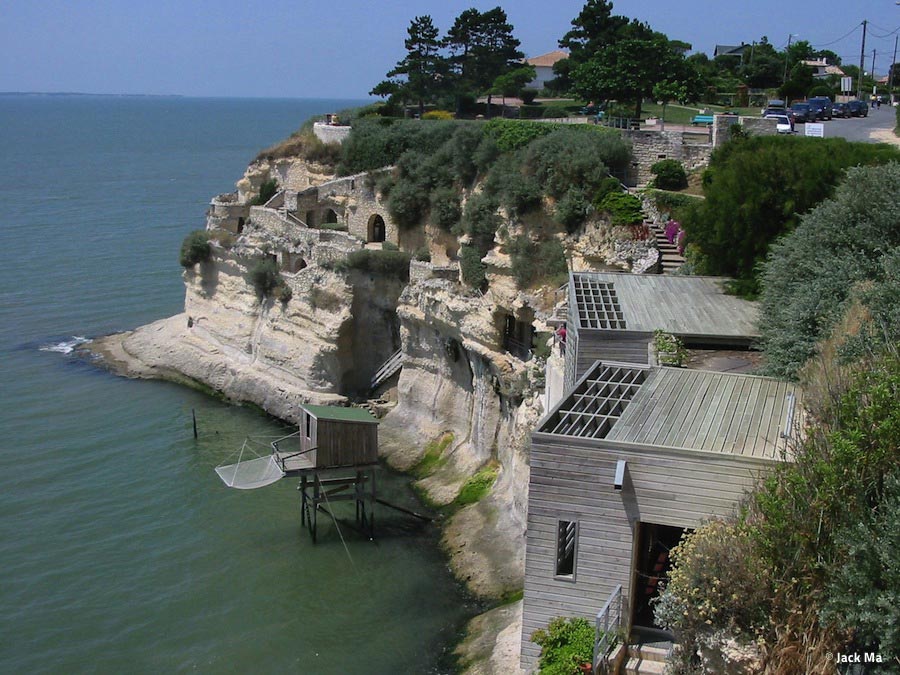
{"x": 342, "y": 48}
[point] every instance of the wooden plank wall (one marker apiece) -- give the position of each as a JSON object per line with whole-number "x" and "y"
{"x": 620, "y": 346}
{"x": 346, "y": 443}
{"x": 572, "y": 479}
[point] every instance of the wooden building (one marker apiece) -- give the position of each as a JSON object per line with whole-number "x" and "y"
{"x": 630, "y": 458}
{"x": 330, "y": 437}
{"x": 335, "y": 454}
{"x": 613, "y": 316}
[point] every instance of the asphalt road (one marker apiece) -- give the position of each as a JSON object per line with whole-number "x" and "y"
{"x": 872, "y": 128}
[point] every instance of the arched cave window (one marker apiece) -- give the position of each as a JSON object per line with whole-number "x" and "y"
{"x": 240, "y": 227}
{"x": 330, "y": 216}
{"x": 377, "y": 229}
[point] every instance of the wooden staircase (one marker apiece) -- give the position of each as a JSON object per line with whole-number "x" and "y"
{"x": 388, "y": 368}
{"x": 669, "y": 257}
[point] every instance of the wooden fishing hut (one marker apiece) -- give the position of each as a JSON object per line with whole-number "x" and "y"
{"x": 335, "y": 454}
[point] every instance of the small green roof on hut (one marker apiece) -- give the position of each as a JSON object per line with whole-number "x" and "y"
{"x": 341, "y": 414}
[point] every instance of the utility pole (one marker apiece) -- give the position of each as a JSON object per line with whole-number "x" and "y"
{"x": 891, "y": 72}
{"x": 862, "y": 62}
{"x": 787, "y": 57}
{"x": 874, "y": 86}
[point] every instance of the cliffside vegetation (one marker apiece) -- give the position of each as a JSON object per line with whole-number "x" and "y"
{"x": 809, "y": 567}
{"x": 472, "y": 179}
{"x": 195, "y": 248}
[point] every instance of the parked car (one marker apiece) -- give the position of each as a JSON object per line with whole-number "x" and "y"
{"x": 840, "y": 110}
{"x": 823, "y": 107}
{"x": 775, "y": 104}
{"x": 803, "y": 112}
{"x": 783, "y": 124}
{"x": 858, "y": 108}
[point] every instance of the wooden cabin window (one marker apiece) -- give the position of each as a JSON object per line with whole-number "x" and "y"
{"x": 308, "y": 426}
{"x": 566, "y": 547}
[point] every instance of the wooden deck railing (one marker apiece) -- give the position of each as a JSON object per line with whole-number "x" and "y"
{"x": 606, "y": 630}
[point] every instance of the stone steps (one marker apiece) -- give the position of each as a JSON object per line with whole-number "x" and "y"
{"x": 669, "y": 257}
{"x": 646, "y": 659}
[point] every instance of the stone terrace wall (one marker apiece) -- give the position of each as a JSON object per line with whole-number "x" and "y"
{"x": 649, "y": 147}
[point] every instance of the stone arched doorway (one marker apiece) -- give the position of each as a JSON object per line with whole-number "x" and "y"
{"x": 240, "y": 225}
{"x": 330, "y": 216}
{"x": 376, "y": 229}
{"x": 292, "y": 263}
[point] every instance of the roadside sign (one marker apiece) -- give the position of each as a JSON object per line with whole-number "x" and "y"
{"x": 846, "y": 85}
{"x": 817, "y": 130}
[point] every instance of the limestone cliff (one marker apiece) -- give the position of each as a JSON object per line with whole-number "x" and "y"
{"x": 467, "y": 373}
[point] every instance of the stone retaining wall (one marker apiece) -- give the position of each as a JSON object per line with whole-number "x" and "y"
{"x": 328, "y": 133}
{"x": 652, "y": 146}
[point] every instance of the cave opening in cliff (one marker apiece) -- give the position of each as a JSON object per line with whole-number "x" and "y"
{"x": 376, "y": 229}
{"x": 240, "y": 225}
{"x": 292, "y": 263}
{"x": 518, "y": 334}
{"x": 330, "y": 216}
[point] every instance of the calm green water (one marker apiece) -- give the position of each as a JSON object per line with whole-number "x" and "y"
{"x": 121, "y": 550}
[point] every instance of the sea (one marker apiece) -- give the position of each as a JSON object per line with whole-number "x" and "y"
{"x": 121, "y": 551}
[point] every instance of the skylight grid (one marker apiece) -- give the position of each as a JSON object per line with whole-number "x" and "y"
{"x": 597, "y": 304}
{"x": 597, "y": 403}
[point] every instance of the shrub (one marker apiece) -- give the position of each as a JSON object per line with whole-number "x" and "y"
{"x": 378, "y": 142}
{"x": 265, "y": 277}
{"x": 669, "y": 348}
{"x": 607, "y": 185}
{"x": 572, "y": 157}
{"x": 565, "y": 644}
{"x": 446, "y": 209}
{"x": 518, "y": 193}
{"x": 305, "y": 144}
{"x": 422, "y": 254}
{"x": 756, "y": 189}
{"x": 533, "y": 262}
{"x": 471, "y": 267}
{"x": 266, "y": 191}
{"x": 531, "y": 112}
{"x": 513, "y": 134}
{"x": 573, "y": 209}
{"x": 284, "y": 293}
{"x": 717, "y": 583}
{"x": 480, "y": 221}
{"x": 811, "y": 273}
{"x": 669, "y": 174}
{"x": 528, "y": 96}
{"x": 195, "y": 248}
{"x": 408, "y": 203}
{"x": 623, "y": 208}
{"x": 438, "y": 115}
{"x": 552, "y": 111}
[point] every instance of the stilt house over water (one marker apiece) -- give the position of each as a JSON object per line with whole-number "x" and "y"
{"x": 628, "y": 460}
{"x": 613, "y": 316}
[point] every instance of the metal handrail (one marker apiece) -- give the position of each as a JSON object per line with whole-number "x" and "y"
{"x": 606, "y": 630}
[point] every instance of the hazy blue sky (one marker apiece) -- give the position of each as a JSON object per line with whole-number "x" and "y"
{"x": 342, "y": 48}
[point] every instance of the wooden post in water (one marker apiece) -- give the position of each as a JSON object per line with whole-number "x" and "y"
{"x": 194, "y": 418}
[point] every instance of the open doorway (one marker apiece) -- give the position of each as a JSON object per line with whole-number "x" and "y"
{"x": 652, "y": 564}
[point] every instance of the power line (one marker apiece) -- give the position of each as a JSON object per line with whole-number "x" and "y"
{"x": 888, "y": 31}
{"x": 826, "y": 44}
